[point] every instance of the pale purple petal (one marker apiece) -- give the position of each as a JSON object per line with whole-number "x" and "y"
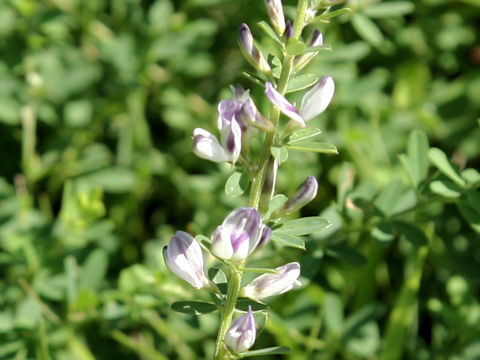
{"x": 304, "y": 194}
{"x": 284, "y": 106}
{"x": 241, "y": 335}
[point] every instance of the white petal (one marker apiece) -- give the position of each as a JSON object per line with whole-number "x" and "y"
{"x": 317, "y": 99}
{"x": 283, "y": 104}
{"x": 207, "y": 146}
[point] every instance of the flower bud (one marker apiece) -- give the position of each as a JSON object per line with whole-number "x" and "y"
{"x": 303, "y": 60}
{"x": 317, "y": 99}
{"x": 269, "y": 182}
{"x": 239, "y": 235}
{"x": 304, "y": 194}
{"x": 241, "y": 335}
{"x": 251, "y": 51}
{"x": 184, "y": 258}
{"x": 289, "y": 31}
{"x": 283, "y": 105}
{"x": 275, "y": 12}
{"x": 267, "y": 285}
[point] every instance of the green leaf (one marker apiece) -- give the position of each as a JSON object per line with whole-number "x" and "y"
{"x": 113, "y": 180}
{"x": 473, "y": 198}
{"x": 383, "y": 233}
{"x": 270, "y": 32}
{"x": 233, "y": 186}
{"x": 295, "y": 47}
{"x": 279, "y": 153}
{"x": 288, "y": 240}
{"x": 275, "y": 203}
{"x": 367, "y": 29}
{"x": 416, "y": 161}
{"x": 411, "y": 233}
{"x": 472, "y": 218}
{"x": 333, "y": 314}
{"x": 330, "y": 15}
{"x": 471, "y": 175}
{"x": 276, "y": 350}
{"x": 324, "y": 47}
{"x": 388, "y": 197}
{"x": 446, "y": 189}
{"x": 389, "y": 9}
{"x": 303, "y": 134}
{"x": 194, "y": 307}
{"x": 303, "y": 226}
{"x": 347, "y": 254}
{"x": 217, "y": 275}
{"x": 243, "y": 304}
{"x": 441, "y": 162}
{"x": 301, "y": 82}
{"x": 94, "y": 270}
{"x": 318, "y": 147}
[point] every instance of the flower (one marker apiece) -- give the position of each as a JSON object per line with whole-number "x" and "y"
{"x": 184, "y": 258}
{"x": 283, "y": 105}
{"x": 304, "y": 194}
{"x": 240, "y": 234}
{"x": 275, "y": 12}
{"x": 241, "y": 335}
{"x": 251, "y": 51}
{"x": 267, "y": 285}
{"x": 316, "y": 100}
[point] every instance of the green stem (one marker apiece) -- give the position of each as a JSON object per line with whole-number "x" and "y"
{"x": 227, "y": 314}
{"x": 287, "y": 69}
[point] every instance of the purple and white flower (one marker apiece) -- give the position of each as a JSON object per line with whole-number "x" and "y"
{"x": 267, "y": 285}
{"x": 304, "y": 194}
{"x": 317, "y": 99}
{"x": 184, "y": 258}
{"x": 240, "y": 234}
{"x": 283, "y": 104}
{"x": 241, "y": 335}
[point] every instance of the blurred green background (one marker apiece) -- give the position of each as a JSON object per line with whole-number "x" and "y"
{"x": 98, "y": 100}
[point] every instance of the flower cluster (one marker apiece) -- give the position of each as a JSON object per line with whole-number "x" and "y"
{"x": 243, "y": 231}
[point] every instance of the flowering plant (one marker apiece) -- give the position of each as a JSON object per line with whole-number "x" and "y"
{"x": 246, "y": 230}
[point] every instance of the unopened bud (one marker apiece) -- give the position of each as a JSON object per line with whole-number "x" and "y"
{"x": 304, "y": 194}
{"x": 275, "y": 11}
{"x": 251, "y": 51}
{"x": 241, "y": 335}
{"x": 289, "y": 31}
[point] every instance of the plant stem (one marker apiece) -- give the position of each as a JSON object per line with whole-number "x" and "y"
{"x": 227, "y": 313}
{"x": 287, "y": 68}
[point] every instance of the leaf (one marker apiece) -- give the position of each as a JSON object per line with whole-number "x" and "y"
{"x": 411, "y": 233}
{"x": 276, "y": 350}
{"x": 302, "y": 134}
{"x": 440, "y": 161}
{"x": 389, "y": 9}
{"x": 113, "y": 180}
{"x": 275, "y": 203}
{"x": 446, "y": 189}
{"x": 416, "y": 161}
{"x": 288, "y": 240}
{"x": 471, "y": 175}
{"x": 324, "y": 47}
{"x": 303, "y": 226}
{"x": 472, "y": 218}
{"x": 233, "y": 186}
{"x": 279, "y": 153}
{"x": 333, "y": 313}
{"x": 383, "y": 233}
{"x": 330, "y": 15}
{"x": 217, "y": 275}
{"x": 194, "y": 307}
{"x": 269, "y": 31}
{"x": 301, "y": 82}
{"x": 94, "y": 270}
{"x": 295, "y": 47}
{"x": 367, "y": 29}
{"x": 347, "y": 254}
{"x": 318, "y": 147}
{"x": 388, "y": 197}
{"x": 243, "y": 304}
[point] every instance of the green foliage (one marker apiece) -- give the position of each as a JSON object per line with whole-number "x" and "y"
{"x": 97, "y": 106}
